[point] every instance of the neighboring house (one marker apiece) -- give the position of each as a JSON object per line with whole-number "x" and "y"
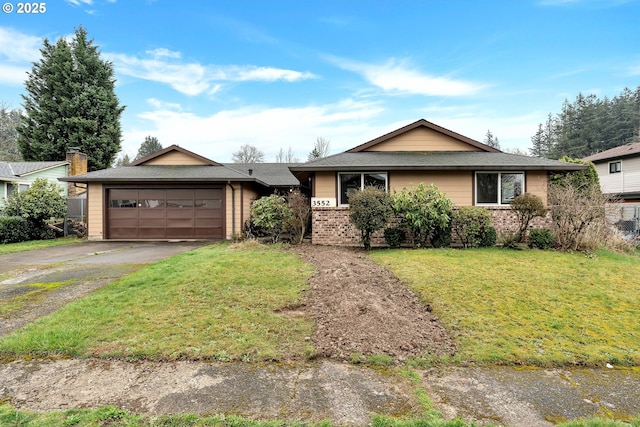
{"x": 177, "y": 194}
{"x": 619, "y": 173}
{"x": 468, "y": 172}
{"x": 18, "y": 176}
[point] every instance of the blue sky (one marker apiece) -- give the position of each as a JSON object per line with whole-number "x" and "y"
{"x": 213, "y": 75}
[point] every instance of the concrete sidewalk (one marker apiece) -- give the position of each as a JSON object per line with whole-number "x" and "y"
{"x": 526, "y": 396}
{"x": 342, "y": 393}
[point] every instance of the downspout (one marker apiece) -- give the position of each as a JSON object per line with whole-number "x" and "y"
{"x": 233, "y": 209}
{"x": 241, "y": 206}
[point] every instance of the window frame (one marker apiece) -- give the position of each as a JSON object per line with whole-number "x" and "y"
{"x": 362, "y": 180}
{"x": 499, "y": 189}
{"x": 20, "y": 186}
{"x": 617, "y": 166}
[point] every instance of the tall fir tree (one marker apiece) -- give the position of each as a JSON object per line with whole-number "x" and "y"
{"x": 149, "y": 146}
{"x": 70, "y": 102}
{"x": 589, "y": 125}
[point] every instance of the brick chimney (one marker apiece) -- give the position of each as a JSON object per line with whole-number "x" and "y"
{"x": 77, "y": 166}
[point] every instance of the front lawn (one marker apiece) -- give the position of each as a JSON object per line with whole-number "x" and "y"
{"x": 529, "y": 307}
{"x": 216, "y": 302}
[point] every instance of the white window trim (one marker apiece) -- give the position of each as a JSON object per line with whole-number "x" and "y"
{"x": 362, "y": 174}
{"x": 475, "y": 187}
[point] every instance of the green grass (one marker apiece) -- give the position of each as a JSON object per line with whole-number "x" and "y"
{"x": 216, "y": 302}
{"x": 113, "y": 417}
{"x": 529, "y": 307}
{"x": 9, "y": 248}
{"x": 36, "y": 291}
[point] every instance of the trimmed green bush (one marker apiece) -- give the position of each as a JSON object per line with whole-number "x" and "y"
{"x": 394, "y": 236}
{"x": 369, "y": 211}
{"x": 424, "y": 211}
{"x": 271, "y": 216}
{"x": 13, "y": 229}
{"x": 474, "y": 227}
{"x": 527, "y": 206}
{"x": 540, "y": 238}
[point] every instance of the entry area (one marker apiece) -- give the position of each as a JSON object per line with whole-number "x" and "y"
{"x": 165, "y": 213}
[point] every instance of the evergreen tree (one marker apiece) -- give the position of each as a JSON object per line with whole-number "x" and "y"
{"x": 9, "y": 120}
{"x": 148, "y": 147}
{"x": 122, "y": 160}
{"x": 70, "y": 102}
{"x": 491, "y": 140}
{"x": 589, "y": 125}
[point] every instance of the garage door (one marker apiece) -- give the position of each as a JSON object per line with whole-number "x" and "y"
{"x": 165, "y": 213}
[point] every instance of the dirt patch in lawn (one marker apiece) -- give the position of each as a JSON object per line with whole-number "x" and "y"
{"x": 361, "y": 309}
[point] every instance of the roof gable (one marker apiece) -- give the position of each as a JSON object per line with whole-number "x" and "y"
{"x": 174, "y": 155}
{"x": 422, "y": 136}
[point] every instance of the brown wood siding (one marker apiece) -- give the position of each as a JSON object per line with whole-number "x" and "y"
{"x": 325, "y": 184}
{"x": 175, "y": 158}
{"x": 422, "y": 139}
{"x": 95, "y": 209}
{"x": 457, "y": 185}
{"x": 537, "y": 182}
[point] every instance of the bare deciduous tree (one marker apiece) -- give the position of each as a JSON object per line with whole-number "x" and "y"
{"x": 320, "y": 149}
{"x": 288, "y": 157}
{"x": 248, "y": 154}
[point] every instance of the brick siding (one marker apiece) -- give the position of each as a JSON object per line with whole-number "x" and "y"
{"x": 332, "y": 226}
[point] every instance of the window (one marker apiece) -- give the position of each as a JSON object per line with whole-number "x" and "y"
{"x": 615, "y": 167}
{"x": 498, "y": 188}
{"x": 349, "y": 182}
{"x": 11, "y": 187}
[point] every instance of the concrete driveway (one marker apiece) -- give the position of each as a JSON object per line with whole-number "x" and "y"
{"x": 115, "y": 253}
{"x": 82, "y": 268}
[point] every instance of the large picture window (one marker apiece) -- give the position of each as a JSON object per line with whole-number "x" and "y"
{"x": 498, "y": 188}
{"x": 350, "y": 182}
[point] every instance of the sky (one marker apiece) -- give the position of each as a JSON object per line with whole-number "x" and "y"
{"x": 213, "y": 75}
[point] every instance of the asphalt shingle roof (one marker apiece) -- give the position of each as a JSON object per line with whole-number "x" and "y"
{"x": 433, "y": 160}
{"x": 269, "y": 174}
{"x": 274, "y": 174}
{"x": 10, "y": 170}
{"x": 616, "y": 152}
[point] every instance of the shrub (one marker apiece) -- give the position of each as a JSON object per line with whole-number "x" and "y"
{"x": 541, "y": 238}
{"x": 13, "y": 229}
{"x": 37, "y": 204}
{"x": 298, "y": 222}
{"x": 473, "y": 227}
{"x": 269, "y": 216}
{"x": 394, "y": 236}
{"x": 574, "y": 211}
{"x": 527, "y": 206}
{"x": 579, "y": 180}
{"x": 369, "y": 211}
{"x": 425, "y": 212}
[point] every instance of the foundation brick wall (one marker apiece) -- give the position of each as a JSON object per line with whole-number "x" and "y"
{"x": 332, "y": 226}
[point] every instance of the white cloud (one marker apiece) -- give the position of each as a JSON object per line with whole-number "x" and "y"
{"x": 194, "y": 78}
{"x": 17, "y": 52}
{"x": 19, "y": 47}
{"x": 159, "y": 105}
{"x": 346, "y": 124}
{"x": 397, "y": 76}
